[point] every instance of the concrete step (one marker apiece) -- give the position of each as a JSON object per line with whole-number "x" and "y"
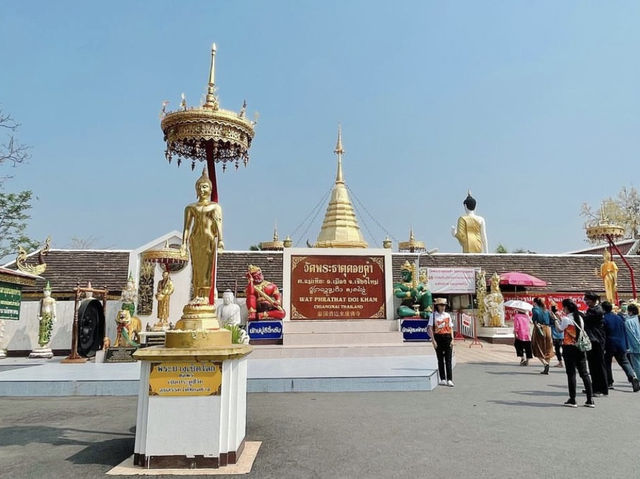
{"x": 361, "y": 326}
{"x": 392, "y": 373}
{"x": 341, "y": 350}
{"x": 385, "y": 337}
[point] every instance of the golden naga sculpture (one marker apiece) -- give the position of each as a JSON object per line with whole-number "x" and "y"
{"x": 202, "y": 236}
{"x": 609, "y": 274}
{"x": 38, "y": 269}
{"x": 471, "y": 231}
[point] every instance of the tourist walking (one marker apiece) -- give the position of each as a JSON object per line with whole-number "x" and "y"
{"x": 572, "y": 325}
{"x": 616, "y": 346}
{"x": 522, "y": 335}
{"x": 541, "y": 341}
{"x": 594, "y": 326}
{"x": 632, "y": 328}
{"x": 556, "y": 335}
{"x": 441, "y": 331}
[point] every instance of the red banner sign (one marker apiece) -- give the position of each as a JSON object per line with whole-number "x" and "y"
{"x": 337, "y": 287}
{"x": 547, "y": 298}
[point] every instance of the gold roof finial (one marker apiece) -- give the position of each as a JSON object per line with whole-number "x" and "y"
{"x": 211, "y": 100}
{"x": 275, "y": 244}
{"x": 339, "y": 151}
{"x": 411, "y": 236}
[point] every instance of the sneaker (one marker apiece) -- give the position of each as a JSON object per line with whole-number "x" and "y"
{"x": 636, "y": 385}
{"x": 450, "y": 383}
{"x": 522, "y": 361}
{"x": 570, "y": 403}
{"x": 589, "y": 404}
{"x": 526, "y": 363}
{"x": 597, "y": 395}
{"x": 442, "y": 382}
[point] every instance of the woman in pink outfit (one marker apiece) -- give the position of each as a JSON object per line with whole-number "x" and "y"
{"x": 522, "y": 333}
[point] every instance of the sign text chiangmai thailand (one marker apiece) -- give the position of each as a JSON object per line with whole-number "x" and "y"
{"x": 185, "y": 378}
{"x": 10, "y": 296}
{"x": 337, "y": 287}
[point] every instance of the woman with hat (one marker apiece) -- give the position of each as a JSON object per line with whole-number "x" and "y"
{"x": 441, "y": 332}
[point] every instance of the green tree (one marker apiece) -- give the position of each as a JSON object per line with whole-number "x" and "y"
{"x": 501, "y": 249}
{"x": 255, "y": 247}
{"x": 14, "y": 207}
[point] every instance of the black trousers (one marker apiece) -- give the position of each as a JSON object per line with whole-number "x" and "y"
{"x": 557, "y": 345}
{"x": 443, "y": 353}
{"x": 574, "y": 359}
{"x": 523, "y": 347}
{"x": 597, "y": 367}
{"x": 623, "y": 361}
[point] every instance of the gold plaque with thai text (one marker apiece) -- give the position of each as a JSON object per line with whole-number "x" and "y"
{"x": 185, "y": 378}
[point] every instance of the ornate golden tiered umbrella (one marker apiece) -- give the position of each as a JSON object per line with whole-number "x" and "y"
{"x": 413, "y": 245}
{"x": 207, "y": 132}
{"x": 605, "y": 230}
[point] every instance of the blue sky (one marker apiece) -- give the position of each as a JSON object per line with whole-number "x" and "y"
{"x": 532, "y": 105}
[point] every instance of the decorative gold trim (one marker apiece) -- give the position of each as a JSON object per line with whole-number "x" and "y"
{"x": 295, "y": 261}
{"x": 380, "y": 313}
{"x": 378, "y": 260}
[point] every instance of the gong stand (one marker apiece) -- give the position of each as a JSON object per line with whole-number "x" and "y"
{"x": 74, "y": 357}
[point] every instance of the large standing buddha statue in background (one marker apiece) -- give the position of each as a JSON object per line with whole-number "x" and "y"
{"x": 471, "y": 232}
{"x": 202, "y": 235}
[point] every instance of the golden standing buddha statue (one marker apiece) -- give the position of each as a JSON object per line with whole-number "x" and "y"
{"x": 202, "y": 234}
{"x": 609, "y": 274}
{"x": 471, "y": 232}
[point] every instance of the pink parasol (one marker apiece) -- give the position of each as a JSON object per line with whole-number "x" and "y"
{"x": 515, "y": 278}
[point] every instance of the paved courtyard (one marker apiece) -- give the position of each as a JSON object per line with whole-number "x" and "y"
{"x": 500, "y": 421}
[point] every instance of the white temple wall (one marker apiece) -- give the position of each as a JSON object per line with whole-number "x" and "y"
{"x": 22, "y": 335}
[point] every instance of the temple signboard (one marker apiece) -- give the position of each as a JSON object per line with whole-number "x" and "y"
{"x": 10, "y": 297}
{"x": 185, "y": 378}
{"x": 337, "y": 286}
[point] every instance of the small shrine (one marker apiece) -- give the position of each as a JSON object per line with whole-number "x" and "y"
{"x": 413, "y": 245}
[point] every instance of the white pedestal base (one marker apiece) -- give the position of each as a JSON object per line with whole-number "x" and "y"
{"x": 3, "y": 353}
{"x": 192, "y": 431}
{"x": 40, "y": 353}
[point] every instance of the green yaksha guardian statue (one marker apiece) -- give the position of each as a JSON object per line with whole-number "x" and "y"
{"x": 416, "y": 298}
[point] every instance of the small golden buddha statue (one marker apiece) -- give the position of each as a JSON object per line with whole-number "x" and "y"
{"x": 609, "y": 274}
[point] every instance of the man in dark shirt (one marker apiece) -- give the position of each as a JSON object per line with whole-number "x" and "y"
{"x": 594, "y": 327}
{"x": 616, "y": 346}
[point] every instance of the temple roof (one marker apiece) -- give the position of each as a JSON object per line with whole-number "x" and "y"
{"x": 340, "y": 226}
{"x": 108, "y": 268}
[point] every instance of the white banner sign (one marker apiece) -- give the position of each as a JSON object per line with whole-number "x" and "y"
{"x": 452, "y": 280}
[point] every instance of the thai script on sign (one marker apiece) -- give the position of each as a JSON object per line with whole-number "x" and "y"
{"x": 414, "y": 329}
{"x": 185, "y": 378}
{"x": 363, "y": 269}
{"x": 266, "y": 330}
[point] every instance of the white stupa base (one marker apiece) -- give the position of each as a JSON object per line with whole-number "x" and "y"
{"x": 191, "y": 431}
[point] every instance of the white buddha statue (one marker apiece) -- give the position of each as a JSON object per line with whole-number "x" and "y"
{"x": 229, "y": 311}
